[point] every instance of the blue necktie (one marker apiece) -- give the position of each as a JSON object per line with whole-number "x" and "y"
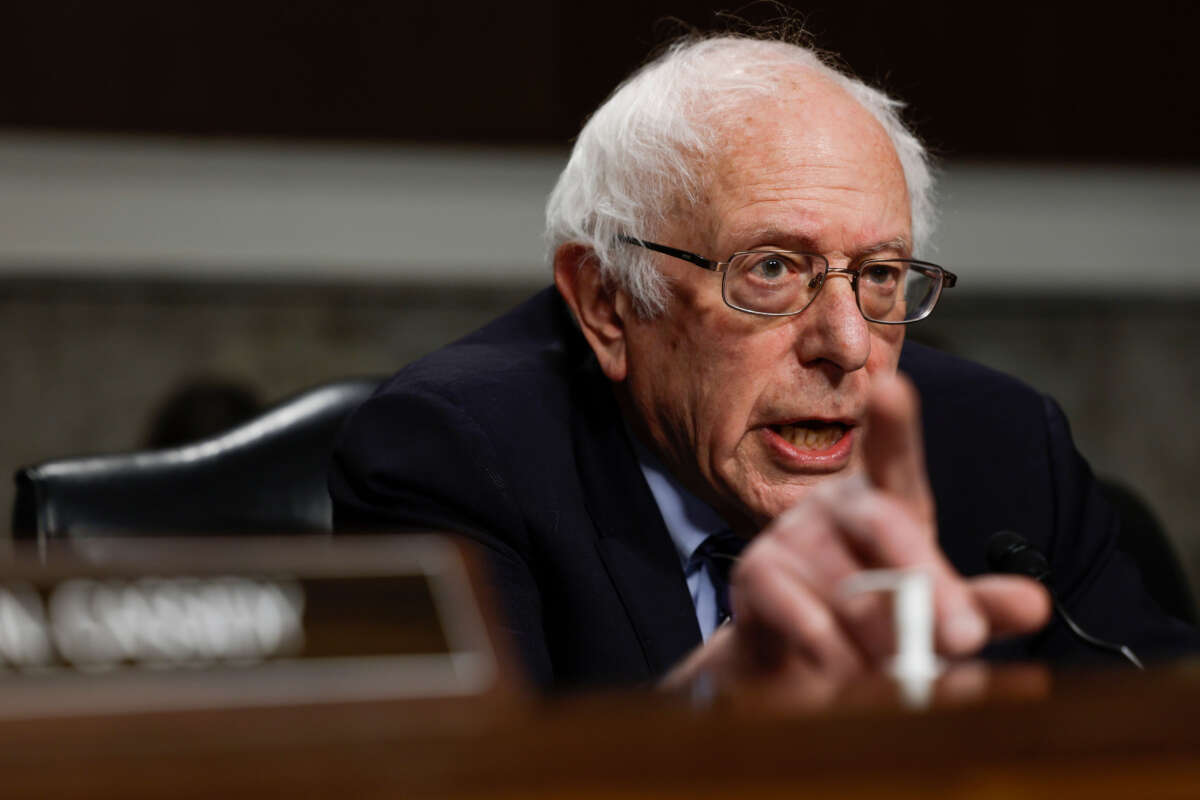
{"x": 718, "y": 553}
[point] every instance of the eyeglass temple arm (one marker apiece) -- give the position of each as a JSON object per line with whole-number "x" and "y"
{"x": 699, "y": 261}
{"x": 948, "y": 278}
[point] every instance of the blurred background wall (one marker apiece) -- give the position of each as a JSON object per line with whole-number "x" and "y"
{"x": 279, "y": 194}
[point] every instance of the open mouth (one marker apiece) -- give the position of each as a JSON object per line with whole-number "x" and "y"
{"x": 813, "y": 435}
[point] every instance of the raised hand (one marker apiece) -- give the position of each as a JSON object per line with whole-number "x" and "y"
{"x": 794, "y": 625}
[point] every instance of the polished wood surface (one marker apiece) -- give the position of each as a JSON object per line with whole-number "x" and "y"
{"x": 1009, "y": 734}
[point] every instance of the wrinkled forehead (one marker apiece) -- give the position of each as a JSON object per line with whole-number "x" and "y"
{"x": 810, "y": 145}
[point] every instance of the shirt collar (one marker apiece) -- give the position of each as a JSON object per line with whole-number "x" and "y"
{"x": 689, "y": 519}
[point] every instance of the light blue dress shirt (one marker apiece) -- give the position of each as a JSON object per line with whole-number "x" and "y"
{"x": 690, "y": 521}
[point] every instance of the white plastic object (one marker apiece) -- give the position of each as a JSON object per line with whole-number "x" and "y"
{"x": 915, "y": 664}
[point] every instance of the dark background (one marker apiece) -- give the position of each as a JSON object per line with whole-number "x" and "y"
{"x": 1038, "y": 81}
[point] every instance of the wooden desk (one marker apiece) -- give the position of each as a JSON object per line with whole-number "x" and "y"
{"x": 1117, "y": 734}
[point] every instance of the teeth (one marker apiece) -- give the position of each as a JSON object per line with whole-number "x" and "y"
{"x": 810, "y": 437}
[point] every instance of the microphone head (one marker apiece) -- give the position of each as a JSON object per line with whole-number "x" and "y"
{"x": 1010, "y": 552}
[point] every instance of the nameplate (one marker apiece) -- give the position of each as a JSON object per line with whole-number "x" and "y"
{"x": 148, "y": 624}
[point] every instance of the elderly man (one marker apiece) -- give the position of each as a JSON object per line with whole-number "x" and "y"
{"x": 733, "y": 250}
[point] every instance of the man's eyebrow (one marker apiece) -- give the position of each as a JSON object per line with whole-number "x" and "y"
{"x": 800, "y": 241}
{"x": 899, "y": 243}
{"x": 779, "y": 237}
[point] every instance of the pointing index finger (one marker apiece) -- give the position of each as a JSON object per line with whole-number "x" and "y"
{"x": 894, "y": 447}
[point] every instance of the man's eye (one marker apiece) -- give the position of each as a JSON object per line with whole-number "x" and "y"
{"x": 772, "y": 268}
{"x": 883, "y": 276}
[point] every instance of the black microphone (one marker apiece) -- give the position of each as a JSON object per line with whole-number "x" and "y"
{"x": 1012, "y": 553}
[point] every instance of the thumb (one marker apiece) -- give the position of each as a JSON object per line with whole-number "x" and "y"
{"x": 894, "y": 447}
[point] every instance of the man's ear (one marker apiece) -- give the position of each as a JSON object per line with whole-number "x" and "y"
{"x": 598, "y": 308}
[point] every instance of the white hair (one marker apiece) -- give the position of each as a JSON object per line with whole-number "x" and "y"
{"x": 638, "y": 161}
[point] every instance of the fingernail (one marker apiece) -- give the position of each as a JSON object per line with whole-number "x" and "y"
{"x": 966, "y": 631}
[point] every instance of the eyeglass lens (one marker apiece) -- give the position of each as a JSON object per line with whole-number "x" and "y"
{"x": 785, "y": 283}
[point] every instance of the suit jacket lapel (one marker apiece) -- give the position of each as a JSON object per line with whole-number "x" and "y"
{"x": 633, "y": 541}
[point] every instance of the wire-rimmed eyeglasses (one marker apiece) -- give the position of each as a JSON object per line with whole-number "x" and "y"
{"x": 778, "y": 283}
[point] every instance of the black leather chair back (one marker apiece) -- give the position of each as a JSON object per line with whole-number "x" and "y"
{"x": 266, "y": 476}
{"x": 1145, "y": 540}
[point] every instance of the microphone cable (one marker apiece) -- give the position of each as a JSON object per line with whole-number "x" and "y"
{"x": 1012, "y": 553}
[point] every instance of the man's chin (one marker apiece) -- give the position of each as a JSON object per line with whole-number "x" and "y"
{"x": 783, "y": 490}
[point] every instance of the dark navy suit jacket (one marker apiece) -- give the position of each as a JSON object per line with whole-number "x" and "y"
{"x": 512, "y": 437}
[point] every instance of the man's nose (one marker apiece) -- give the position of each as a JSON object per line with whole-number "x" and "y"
{"x": 835, "y": 330}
